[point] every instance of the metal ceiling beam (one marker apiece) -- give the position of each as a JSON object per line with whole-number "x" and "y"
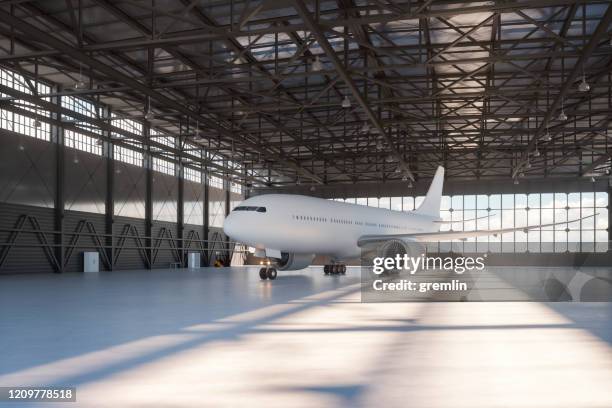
{"x": 329, "y": 51}
{"x": 95, "y": 65}
{"x": 599, "y": 32}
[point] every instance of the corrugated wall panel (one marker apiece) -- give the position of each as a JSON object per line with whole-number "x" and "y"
{"x": 26, "y": 259}
{"x": 72, "y": 219}
{"x": 165, "y": 255}
{"x": 129, "y": 258}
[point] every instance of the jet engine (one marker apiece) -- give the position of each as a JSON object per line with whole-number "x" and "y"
{"x": 294, "y": 262}
{"x": 394, "y": 247}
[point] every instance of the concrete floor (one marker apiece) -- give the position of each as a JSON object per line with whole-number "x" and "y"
{"x": 221, "y": 337}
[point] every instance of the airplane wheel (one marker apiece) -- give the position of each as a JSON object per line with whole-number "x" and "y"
{"x": 326, "y": 269}
{"x": 335, "y": 269}
{"x": 262, "y": 274}
{"x": 271, "y": 273}
{"x": 343, "y": 269}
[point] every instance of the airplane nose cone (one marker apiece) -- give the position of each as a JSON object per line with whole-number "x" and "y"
{"x": 229, "y": 226}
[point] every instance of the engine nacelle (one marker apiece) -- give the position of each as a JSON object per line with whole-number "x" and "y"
{"x": 294, "y": 262}
{"x": 394, "y": 247}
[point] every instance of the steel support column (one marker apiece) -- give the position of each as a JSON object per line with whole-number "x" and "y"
{"x": 110, "y": 196}
{"x": 60, "y": 176}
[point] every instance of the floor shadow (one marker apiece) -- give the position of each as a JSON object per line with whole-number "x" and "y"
{"x": 46, "y": 318}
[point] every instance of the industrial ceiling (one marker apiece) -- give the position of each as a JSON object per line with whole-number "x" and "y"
{"x": 346, "y": 91}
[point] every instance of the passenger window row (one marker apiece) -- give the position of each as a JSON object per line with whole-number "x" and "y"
{"x": 341, "y": 221}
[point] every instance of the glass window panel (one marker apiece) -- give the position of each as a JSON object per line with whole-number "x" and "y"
{"x": 396, "y": 203}
{"x": 533, "y": 216}
{"x": 520, "y": 200}
{"x": 520, "y": 218}
{"x": 573, "y": 200}
{"x": 445, "y": 203}
{"x": 560, "y": 216}
{"x": 601, "y": 219}
{"x": 495, "y": 220}
{"x": 588, "y": 223}
{"x": 574, "y": 214}
{"x": 469, "y": 225}
{"x": 507, "y": 218}
{"x": 482, "y": 223}
{"x": 601, "y": 236}
{"x": 573, "y": 239}
{"x": 507, "y": 200}
{"x": 384, "y": 202}
{"x": 407, "y": 203}
{"x": 446, "y": 216}
{"x": 588, "y": 199}
{"x": 495, "y": 201}
{"x": 457, "y": 202}
{"x": 547, "y": 239}
{"x": 362, "y": 201}
{"x": 373, "y": 201}
{"x": 560, "y": 200}
{"x": 533, "y": 201}
{"x": 547, "y": 217}
{"x": 601, "y": 199}
{"x": 482, "y": 202}
{"x": 547, "y": 200}
{"x": 469, "y": 202}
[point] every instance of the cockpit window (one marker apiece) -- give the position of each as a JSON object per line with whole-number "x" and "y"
{"x": 250, "y": 208}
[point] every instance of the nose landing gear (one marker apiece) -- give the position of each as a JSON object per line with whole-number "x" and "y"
{"x": 334, "y": 269}
{"x": 267, "y": 273}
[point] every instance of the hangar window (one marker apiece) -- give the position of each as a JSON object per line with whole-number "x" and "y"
{"x": 215, "y": 181}
{"x": 517, "y": 210}
{"x": 31, "y": 122}
{"x": 128, "y": 156}
{"x": 192, "y": 174}
{"x": 164, "y": 166}
{"x": 75, "y": 139}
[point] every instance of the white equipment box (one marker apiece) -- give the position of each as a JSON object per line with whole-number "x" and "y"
{"x": 193, "y": 260}
{"x": 91, "y": 262}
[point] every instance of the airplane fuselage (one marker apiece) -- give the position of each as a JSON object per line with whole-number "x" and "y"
{"x": 309, "y": 225}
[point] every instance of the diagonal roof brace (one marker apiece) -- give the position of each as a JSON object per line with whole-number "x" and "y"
{"x": 55, "y": 43}
{"x": 331, "y": 54}
{"x": 599, "y": 32}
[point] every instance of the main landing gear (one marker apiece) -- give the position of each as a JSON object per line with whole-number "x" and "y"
{"x": 334, "y": 269}
{"x": 267, "y": 273}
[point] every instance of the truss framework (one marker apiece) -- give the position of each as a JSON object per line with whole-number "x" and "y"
{"x": 477, "y": 87}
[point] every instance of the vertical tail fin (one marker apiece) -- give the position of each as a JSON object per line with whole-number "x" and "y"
{"x": 431, "y": 204}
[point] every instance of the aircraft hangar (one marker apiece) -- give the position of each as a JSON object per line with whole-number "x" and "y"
{"x": 132, "y": 131}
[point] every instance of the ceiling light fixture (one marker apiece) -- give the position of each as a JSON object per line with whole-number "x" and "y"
{"x": 562, "y": 115}
{"x": 80, "y": 84}
{"x": 346, "y": 102}
{"x": 583, "y": 86}
{"x": 536, "y": 152}
{"x": 317, "y": 65}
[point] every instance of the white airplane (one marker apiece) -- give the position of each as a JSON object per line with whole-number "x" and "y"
{"x": 291, "y": 229}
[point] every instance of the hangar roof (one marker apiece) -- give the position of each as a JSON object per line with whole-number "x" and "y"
{"x": 340, "y": 91}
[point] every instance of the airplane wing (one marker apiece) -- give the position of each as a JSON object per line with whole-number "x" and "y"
{"x": 450, "y": 235}
{"x": 469, "y": 219}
